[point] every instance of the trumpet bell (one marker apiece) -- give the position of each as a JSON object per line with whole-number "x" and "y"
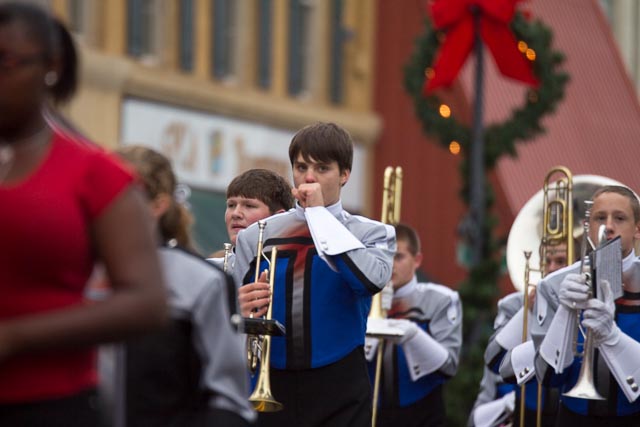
{"x": 526, "y": 231}
{"x": 267, "y": 404}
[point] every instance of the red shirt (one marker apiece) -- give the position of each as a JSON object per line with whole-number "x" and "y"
{"x": 46, "y": 258}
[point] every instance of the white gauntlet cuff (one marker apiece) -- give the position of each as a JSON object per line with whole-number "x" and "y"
{"x": 424, "y": 355}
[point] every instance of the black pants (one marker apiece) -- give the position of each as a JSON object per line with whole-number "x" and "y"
{"x": 569, "y": 418}
{"x": 337, "y": 395}
{"x": 79, "y": 410}
{"x": 427, "y": 412}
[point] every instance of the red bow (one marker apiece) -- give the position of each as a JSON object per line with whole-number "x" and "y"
{"x": 456, "y": 17}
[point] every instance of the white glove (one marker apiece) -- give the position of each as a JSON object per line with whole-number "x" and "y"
{"x": 573, "y": 292}
{"x": 370, "y": 348}
{"x": 409, "y": 328}
{"x": 386, "y": 296}
{"x": 599, "y": 317}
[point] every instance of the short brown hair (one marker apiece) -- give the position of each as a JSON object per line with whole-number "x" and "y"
{"x": 264, "y": 185}
{"x": 623, "y": 191}
{"x": 323, "y": 142}
{"x": 408, "y": 234}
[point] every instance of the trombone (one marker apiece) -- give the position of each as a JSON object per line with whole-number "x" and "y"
{"x": 557, "y": 228}
{"x": 391, "y": 198}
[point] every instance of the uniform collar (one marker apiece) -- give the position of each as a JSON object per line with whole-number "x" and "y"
{"x": 407, "y": 289}
{"x": 627, "y": 262}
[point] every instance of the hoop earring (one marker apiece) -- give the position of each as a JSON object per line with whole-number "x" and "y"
{"x": 51, "y": 78}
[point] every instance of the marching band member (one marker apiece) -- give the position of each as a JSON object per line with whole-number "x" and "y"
{"x": 613, "y": 324}
{"x": 66, "y": 205}
{"x": 329, "y": 264}
{"x": 253, "y": 195}
{"x": 495, "y": 403}
{"x": 426, "y": 356}
{"x": 508, "y": 356}
{"x": 191, "y": 372}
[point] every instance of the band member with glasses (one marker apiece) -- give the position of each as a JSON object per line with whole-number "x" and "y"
{"x": 329, "y": 265}
{"x": 66, "y": 205}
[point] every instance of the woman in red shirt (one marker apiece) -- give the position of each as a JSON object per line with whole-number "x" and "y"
{"x": 65, "y": 205}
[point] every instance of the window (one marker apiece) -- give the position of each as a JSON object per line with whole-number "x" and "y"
{"x": 143, "y": 31}
{"x": 209, "y": 230}
{"x": 83, "y": 20}
{"x": 300, "y": 48}
{"x": 186, "y": 35}
{"x": 265, "y": 14}
{"x": 77, "y": 15}
{"x": 224, "y": 38}
{"x": 607, "y": 8}
{"x": 338, "y": 37}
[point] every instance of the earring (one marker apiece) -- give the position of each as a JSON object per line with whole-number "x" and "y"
{"x": 50, "y": 78}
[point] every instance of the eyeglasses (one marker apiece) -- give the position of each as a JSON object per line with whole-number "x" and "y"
{"x": 11, "y": 62}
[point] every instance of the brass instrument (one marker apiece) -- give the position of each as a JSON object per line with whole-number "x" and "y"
{"x": 557, "y": 228}
{"x": 526, "y": 231}
{"x": 585, "y": 387}
{"x": 227, "y": 252}
{"x": 253, "y": 347}
{"x": 391, "y": 195}
{"x": 547, "y": 219}
{"x": 391, "y": 198}
{"x": 261, "y": 398}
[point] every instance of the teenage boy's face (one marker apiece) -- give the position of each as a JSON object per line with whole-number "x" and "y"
{"x": 328, "y": 175}
{"x": 404, "y": 265}
{"x": 555, "y": 257}
{"x": 615, "y": 212}
{"x": 241, "y": 212}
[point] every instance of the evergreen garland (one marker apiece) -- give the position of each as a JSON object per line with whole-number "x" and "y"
{"x": 479, "y": 291}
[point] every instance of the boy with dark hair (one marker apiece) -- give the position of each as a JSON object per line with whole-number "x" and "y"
{"x": 329, "y": 265}
{"x": 418, "y": 364}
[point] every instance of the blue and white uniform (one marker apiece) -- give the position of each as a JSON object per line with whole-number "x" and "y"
{"x": 329, "y": 265}
{"x": 512, "y": 359}
{"x": 192, "y": 371}
{"x": 415, "y": 369}
{"x": 616, "y": 363}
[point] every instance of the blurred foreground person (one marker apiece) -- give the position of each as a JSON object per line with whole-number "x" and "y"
{"x": 66, "y": 205}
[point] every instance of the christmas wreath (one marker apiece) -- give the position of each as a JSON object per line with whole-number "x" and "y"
{"x": 534, "y": 43}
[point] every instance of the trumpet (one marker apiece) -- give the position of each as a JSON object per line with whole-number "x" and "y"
{"x": 585, "y": 387}
{"x": 262, "y": 398}
{"x": 253, "y": 345}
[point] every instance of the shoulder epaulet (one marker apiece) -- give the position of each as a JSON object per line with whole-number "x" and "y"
{"x": 448, "y": 293}
{"x": 229, "y": 284}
